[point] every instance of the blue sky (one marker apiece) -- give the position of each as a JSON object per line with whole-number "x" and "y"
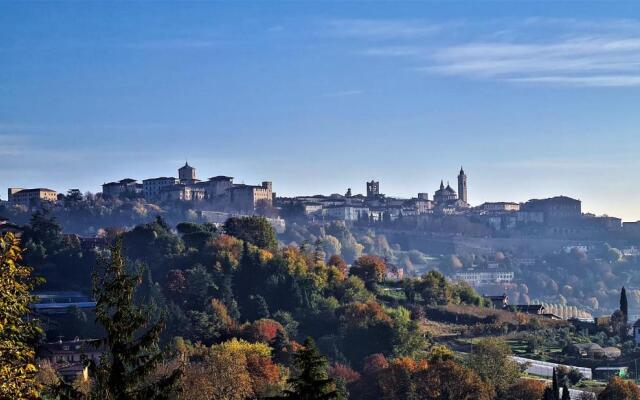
{"x": 534, "y": 99}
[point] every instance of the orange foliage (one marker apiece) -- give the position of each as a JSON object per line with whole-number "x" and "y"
{"x": 263, "y": 330}
{"x": 369, "y": 269}
{"x": 364, "y": 314}
{"x": 374, "y": 363}
{"x": 620, "y": 389}
{"x": 264, "y": 373}
{"x": 526, "y": 389}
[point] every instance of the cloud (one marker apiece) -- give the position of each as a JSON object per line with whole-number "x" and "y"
{"x": 590, "y": 81}
{"x": 380, "y": 29}
{"x": 583, "y": 61}
{"x": 563, "y": 52}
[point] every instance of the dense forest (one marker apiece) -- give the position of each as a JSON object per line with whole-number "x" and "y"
{"x": 202, "y": 312}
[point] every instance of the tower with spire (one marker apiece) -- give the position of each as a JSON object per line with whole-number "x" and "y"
{"x": 187, "y": 174}
{"x": 462, "y": 186}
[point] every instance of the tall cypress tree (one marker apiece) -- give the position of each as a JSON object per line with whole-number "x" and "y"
{"x": 312, "y": 381}
{"x": 555, "y": 386}
{"x": 132, "y": 339}
{"x": 17, "y": 333}
{"x": 565, "y": 392}
{"x": 624, "y": 305}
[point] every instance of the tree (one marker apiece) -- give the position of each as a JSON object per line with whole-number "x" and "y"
{"x": 555, "y": 386}
{"x": 447, "y": 380}
{"x": 255, "y": 230}
{"x": 434, "y": 288}
{"x": 17, "y": 332}
{"x": 624, "y": 305}
{"x": 312, "y": 381}
{"x": 565, "y": 392}
{"x": 371, "y": 269}
{"x": 618, "y": 389}
{"x": 526, "y": 389}
{"x": 132, "y": 340}
{"x": 491, "y": 359}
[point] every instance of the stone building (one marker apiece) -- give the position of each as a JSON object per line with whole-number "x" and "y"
{"x": 182, "y": 192}
{"x": 115, "y": 189}
{"x": 445, "y": 194}
{"x": 555, "y": 209}
{"x": 373, "y": 189}
{"x": 248, "y": 198}
{"x": 187, "y": 174}
{"x": 30, "y": 197}
{"x": 151, "y": 187}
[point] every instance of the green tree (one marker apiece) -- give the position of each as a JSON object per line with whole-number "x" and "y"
{"x": 624, "y": 305}
{"x": 312, "y": 381}
{"x": 17, "y": 333}
{"x": 125, "y": 371}
{"x": 434, "y": 288}
{"x": 255, "y": 230}
{"x": 491, "y": 359}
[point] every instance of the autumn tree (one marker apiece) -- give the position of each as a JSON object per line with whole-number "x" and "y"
{"x": 526, "y": 389}
{"x": 619, "y": 389}
{"x": 132, "y": 340}
{"x": 447, "y": 380}
{"x": 371, "y": 269}
{"x": 312, "y": 380}
{"x": 17, "y": 332}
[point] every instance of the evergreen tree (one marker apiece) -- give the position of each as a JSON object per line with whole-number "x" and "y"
{"x": 624, "y": 305}
{"x": 312, "y": 381}
{"x": 565, "y": 392}
{"x": 555, "y": 386}
{"x": 17, "y": 333}
{"x": 548, "y": 394}
{"x": 132, "y": 340}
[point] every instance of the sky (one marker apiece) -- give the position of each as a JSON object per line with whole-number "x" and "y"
{"x": 533, "y": 99}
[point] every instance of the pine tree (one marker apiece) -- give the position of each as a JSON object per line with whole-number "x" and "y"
{"x": 132, "y": 340}
{"x": 312, "y": 381}
{"x": 17, "y": 332}
{"x": 624, "y": 305}
{"x": 281, "y": 348}
{"x": 565, "y": 392}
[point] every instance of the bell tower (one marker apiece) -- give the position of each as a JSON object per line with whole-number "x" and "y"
{"x": 462, "y": 186}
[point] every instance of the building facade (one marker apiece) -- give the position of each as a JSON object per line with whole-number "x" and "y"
{"x": 373, "y": 189}
{"x": 151, "y": 187}
{"x": 30, "y": 197}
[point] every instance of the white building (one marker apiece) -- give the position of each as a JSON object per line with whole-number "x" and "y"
{"x": 346, "y": 212}
{"x": 479, "y": 278}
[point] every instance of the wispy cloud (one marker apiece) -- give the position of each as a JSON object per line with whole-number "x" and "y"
{"x": 579, "y": 55}
{"x": 380, "y": 29}
{"x": 573, "y": 53}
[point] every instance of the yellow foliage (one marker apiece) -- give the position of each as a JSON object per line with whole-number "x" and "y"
{"x": 240, "y": 346}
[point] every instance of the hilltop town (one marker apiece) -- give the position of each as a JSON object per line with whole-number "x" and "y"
{"x": 533, "y": 272}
